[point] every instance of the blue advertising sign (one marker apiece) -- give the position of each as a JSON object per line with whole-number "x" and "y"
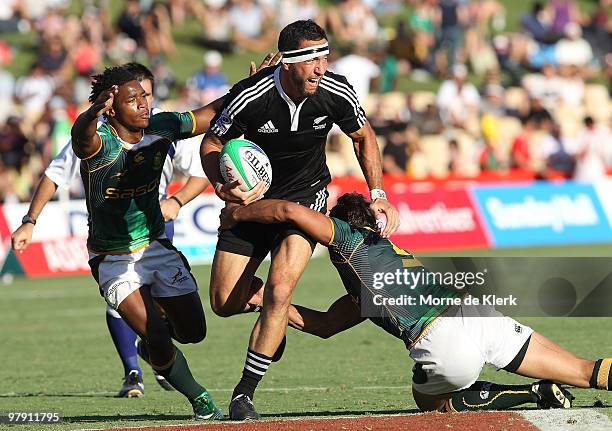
{"x": 542, "y": 213}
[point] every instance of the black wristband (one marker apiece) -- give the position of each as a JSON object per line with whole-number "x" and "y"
{"x": 178, "y": 201}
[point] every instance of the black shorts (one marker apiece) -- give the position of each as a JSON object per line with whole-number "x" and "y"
{"x": 258, "y": 239}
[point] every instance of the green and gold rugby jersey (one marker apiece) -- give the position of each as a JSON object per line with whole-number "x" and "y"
{"x": 121, "y": 184}
{"x": 362, "y": 258}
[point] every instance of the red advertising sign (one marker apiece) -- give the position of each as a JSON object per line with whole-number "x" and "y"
{"x": 431, "y": 218}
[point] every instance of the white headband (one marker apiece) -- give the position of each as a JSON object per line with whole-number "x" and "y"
{"x": 303, "y": 54}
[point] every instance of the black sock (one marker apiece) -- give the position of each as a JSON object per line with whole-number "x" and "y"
{"x": 601, "y": 378}
{"x": 489, "y": 396}
{"x": 255, "y": 368}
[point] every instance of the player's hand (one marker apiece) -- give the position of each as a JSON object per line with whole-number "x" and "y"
{"x": 230, "y": 192}
{"x": 22, "y": 237}
{"x": 170, "y": 209}
{"x": 227, "y": 219}
{"x": 269, "y": 60}
{"x": 104, "y": 101}
{"x": 385, "y": 207}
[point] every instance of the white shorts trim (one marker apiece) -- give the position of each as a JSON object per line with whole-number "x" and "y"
{"x": 455, "y": 348}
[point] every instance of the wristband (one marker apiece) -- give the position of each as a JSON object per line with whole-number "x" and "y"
{"x": 178, "y": 201}
{"x": 377, "y": 194}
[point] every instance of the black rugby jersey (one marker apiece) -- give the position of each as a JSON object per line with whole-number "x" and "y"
{"x": 293, "y": 136}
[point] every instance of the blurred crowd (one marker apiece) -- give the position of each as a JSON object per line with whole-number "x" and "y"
{"x": 535, "y": 100}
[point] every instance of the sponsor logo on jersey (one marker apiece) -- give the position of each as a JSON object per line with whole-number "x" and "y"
{"x": 268, "y": 128}
{"x": 139, "y": 158}
{"x": 316, "y": 124}
{"x": 179, "y": 277}
{"x": 131, "y": 192}
{"x": 223, "y": 123}
{"x": 157, "y": 161}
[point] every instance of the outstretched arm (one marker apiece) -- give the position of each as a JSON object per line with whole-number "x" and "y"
{"x": 341, "y": 315}
{"x": 85, "y": 140}
{"x": 316, "y": 225}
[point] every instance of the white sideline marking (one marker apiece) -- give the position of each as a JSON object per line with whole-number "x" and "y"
{"x": 570, "y": 419}
{"x": 292, "y": 389}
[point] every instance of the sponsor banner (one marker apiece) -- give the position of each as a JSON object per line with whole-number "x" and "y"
{"x": 437, "y": 220}
{"x": 195, "y": 230}
{"x": 603, "y": 188}
{"x": 59, "y": 241}
{"x": 542, "y": 213}
{"x": 431, "y": 218}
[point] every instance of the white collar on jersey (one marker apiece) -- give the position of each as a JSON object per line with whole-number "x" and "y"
{"x": 294, "y": 111}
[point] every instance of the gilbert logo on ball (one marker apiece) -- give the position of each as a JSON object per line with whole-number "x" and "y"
{"x": 243, "y": 161}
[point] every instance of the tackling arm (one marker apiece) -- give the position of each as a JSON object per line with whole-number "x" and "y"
{"x": 341, "y": 315}
{"x": 315, "y": 224}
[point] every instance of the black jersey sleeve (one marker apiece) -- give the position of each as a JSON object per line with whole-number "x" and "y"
{"x": 348, "y": 113}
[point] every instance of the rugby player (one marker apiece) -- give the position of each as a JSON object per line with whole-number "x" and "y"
{"x": 450, "y": 345}
{"x": 61, "y": 172}
{"x": 138, "y": 270}
{"x": 288, "y": 111}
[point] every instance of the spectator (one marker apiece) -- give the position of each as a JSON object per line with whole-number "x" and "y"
{"x": 130, "y": 21}
{"x": 429, "y": 122}
{"x": 395, "y": 153}
{"x": 53, "y": 59}
{"x": 534, "y": 23}
{"x": 352, "y": 20}
{"x": 209, "y": 83}
{"x": 491, "y": 157}
{"x": 12, "y": 143}
{"x": 34, "y": 91}
{"x": 538, "y": 115}
{"x": 7, "y": 86}
{"x": 458, "y": 100}
{"x": 86, "y": 56}
{"x": 358, "y": 68}
{"x": 453, "y": 16}
{"x": 424, "y": 21}
{"x": 294, "y": 10}
{"x": 545, "y": 86}
{"x": 217, "y": 28}
{"x": 251, "y": 26}
{"x": 571, "y": 88}
{"x": 520, "y": 153}
{"x": 157, "y": 31}
{"x": 573, "y": 50}
{"x": 594, "y": 151}
{"x": 564, "y": 12}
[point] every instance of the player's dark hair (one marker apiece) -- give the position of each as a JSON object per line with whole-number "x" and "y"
{"x": 117, "y": 75}
{"x": 291, "y": 36}
{"x": 141, "y": 73}
{"x": 355, "y": 210}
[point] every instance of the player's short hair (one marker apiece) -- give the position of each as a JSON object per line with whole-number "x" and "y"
{"x": 117, "y": 75}
{"x": 141, "y": 73}
{"x": 355, "y": 210}
{"x": 291, "y": 36}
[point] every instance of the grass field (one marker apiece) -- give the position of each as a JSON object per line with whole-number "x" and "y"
{"x": 58, "y": 356}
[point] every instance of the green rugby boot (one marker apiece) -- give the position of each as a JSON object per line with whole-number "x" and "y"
{"x": 204, "y": 408}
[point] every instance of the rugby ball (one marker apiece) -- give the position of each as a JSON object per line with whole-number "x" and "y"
{"x": 243, "y": 161}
